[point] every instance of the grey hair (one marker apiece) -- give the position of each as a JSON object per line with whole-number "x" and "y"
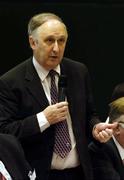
{"x": 39, "y": 19}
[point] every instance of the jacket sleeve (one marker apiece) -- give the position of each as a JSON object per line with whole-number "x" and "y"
{"x": 11, "y": 120}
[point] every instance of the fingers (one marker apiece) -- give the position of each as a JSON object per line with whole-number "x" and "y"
{"x": 103, "y": 132}
{"x": 61, "y": 104}
{"x": 109, "y": 132}
{"x": 105, "y": 135}
{"x": 56, "y": 113}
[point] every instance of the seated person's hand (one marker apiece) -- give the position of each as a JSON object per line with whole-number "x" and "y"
{"x": 104, "y": 131}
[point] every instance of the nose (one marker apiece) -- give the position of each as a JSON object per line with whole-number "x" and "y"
{"x": 56, "y": 47}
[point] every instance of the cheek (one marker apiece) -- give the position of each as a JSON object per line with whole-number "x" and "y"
{"x": 62, "y": 48}
{"x": 42, "y": 51}
{"x": 122, "y": 136}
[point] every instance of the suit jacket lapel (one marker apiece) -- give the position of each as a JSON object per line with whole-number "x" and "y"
{"x": 34, "y": 85}
{"x": 120, "y": 165}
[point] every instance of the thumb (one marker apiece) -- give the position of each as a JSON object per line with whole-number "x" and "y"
{"x": 114, "y": 125}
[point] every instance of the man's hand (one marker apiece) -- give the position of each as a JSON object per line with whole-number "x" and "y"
{"x": 103, "y": 131}
{"x": 56, "y": 112}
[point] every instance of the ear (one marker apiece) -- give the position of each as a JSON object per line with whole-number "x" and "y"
{"x": 32, "y": 42}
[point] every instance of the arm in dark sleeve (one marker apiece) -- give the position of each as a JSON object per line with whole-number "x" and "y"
{"x": 15, "y": 117}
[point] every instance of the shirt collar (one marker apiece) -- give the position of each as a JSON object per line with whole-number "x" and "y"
{"x": 42, "y": 72}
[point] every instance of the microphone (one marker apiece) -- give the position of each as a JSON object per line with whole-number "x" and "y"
{"x": 62, "y": 85}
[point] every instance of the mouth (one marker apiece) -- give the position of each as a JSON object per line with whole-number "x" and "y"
{"x": 54, "y": 57}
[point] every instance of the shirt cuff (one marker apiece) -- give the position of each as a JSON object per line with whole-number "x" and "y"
{"x": 42, "y": 121}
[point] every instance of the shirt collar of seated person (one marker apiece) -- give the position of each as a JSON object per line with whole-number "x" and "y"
{"x": 117, "y": 115}
{"x": 119, "y": 131}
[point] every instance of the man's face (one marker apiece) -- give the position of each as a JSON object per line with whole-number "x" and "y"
{"x": 119, "y": 131}
{"x": 49, "y": 43}
{"x": 121, "y": 136}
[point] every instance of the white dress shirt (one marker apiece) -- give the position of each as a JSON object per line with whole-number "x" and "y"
{"x": 4, "y": 171}
{"x": 71, "y": 160}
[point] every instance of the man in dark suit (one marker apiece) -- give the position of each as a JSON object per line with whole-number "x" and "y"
{"x": 108, "y": 158}
{"x": 27, "y": 111}
{"x": 13, "y": 164}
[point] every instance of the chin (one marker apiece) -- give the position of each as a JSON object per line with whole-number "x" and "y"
{"x": 51, "y": 66}
{"x": 54, "y": 63}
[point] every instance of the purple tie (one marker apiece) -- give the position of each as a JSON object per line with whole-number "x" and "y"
{"x": 62, "y": 144}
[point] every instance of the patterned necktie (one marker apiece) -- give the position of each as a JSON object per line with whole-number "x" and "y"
{"x": 2, "y": 177}
{"x": 62, "y": 144}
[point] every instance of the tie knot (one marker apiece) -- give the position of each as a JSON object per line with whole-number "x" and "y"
{"x": 52, "y": 73}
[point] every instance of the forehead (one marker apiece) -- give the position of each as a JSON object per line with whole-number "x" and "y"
{"x": 52, "y": 27}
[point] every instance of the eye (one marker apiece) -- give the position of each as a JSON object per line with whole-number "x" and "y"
{"x": 49, "y": 40}
{"x": 61, "y": 40}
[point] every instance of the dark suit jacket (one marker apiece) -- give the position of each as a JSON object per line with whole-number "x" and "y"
{"x": 12, "y": 156}
{"x": 106, "y": 160}
{"x": 22, "y": 96}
